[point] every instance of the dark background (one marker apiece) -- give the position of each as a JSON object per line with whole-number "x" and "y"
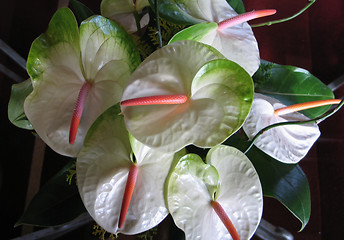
{"x": 313, "y": 41}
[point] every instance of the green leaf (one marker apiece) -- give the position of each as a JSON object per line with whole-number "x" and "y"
{"x": 16, "y": 104}
{"x": 175, "y": 12}
{"x": 237, "y": 5}
{"x": 81, "y": 11}
{"x": 285, "y": 182}
{"x": 291, "y": 85}
{"x": 55, "y": 204}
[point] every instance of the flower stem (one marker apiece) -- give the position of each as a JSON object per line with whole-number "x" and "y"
{"x": 285, "y": 19}
{"x": 155, "y": 100}
{"x": 128, "y": 193}
{"x": 245, "y": 17}
{"x": 138, "y": 24}
{"x": 225, "y": 220}
{"x": 314, "y": 120}
{"x": 158, "y": 23}
{"x": 79, "y": 108}
{"x": 304, "y": 106}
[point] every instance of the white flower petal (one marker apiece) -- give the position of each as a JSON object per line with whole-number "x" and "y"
{"x": 220, "y": 94}
{"x": 288, "y": 144}
{"x": 237, "y": 44}
{"x": 192, "y": 186}
{"x": 50, "y": 105}
{"x": 102, "y": 169}
{"x": 241, "y": 193}
{"x": 101, "y": 41}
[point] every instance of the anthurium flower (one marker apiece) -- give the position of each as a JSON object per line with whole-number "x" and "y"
{"x": 85, "y": 71}
{"x": 124, "y": 12}
{"x": 226, "y": 31}
{"x": 108, "y": 156}
{"x": 288, "y": 144}
{"x": 216, "y": 97}
{"x": 219, "y": 26}
{"x": 219, "y": 199}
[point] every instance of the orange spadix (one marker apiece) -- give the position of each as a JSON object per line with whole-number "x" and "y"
{"x": 225, "y": 220}
{"x": 245, "y": 17}
{"x": 305, "y": 106}
{"x": 155, "y": 100}
{"x": 79, "y": 108}
{"x": 128, "y": 193}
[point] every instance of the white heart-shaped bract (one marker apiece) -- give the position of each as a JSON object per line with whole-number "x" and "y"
{"x": 228, "y": 178}
{"x": 61, "y": 61}
{"x": 236, "y": 43}
{"x": 102, "y": 169}
{"x": 219, "y": 97}
{"x": 122, "y": 11}
{"x": 288, "y": 144}
{"x": 192, "y": 11}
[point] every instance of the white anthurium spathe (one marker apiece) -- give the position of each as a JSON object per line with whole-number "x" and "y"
{"x": 237, "y": 43}
{"x": 102, "y": 169}
{"x": 289, "y": 143}
{"x": 69, "y": 70}
{"x": 124, "y": 11}
{"x": 218, "y": 92}
{"x": 228, "y": 178}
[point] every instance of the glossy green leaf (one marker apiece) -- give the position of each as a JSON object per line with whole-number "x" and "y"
{"x": 173, "y": 12}
{"x": 55, "y": 204}
{"x": 291, "y": 85}
{"x": 16, "y": 104}
{"x": 81, "y": 11}
{"x": 285, "y": 182}
{"x": 237, "y": 5}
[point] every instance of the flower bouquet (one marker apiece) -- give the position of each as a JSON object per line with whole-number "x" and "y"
{"x": 165, "y": 107}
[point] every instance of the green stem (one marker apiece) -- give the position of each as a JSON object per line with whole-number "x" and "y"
{"x": 285, "y": 19}
{"x": 158, "y": 23}
{"x": 137, "y": 20}
{"x": 314, "y": 120}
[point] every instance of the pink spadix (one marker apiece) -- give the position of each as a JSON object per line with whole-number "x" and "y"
{"x": 155, "y": 100}
{"x": 304, "y": 106}
{"x": 245, "y": 17}
{"x": 128, "y": 193}
{"x": 79, "y": 107}
{"x": 225, "y": 220}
